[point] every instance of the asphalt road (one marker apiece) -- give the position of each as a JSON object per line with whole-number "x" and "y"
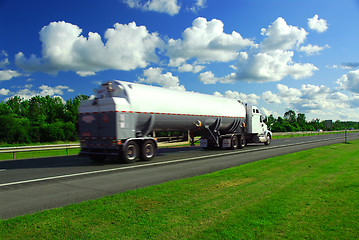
{"x": 31, "y": 185}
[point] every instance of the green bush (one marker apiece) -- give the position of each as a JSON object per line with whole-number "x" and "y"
{"x": 14, "y": 130}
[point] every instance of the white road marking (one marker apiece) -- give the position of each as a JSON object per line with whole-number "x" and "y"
{"x": 154, "y": 164}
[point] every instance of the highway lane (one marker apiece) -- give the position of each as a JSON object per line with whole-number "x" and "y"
{"x": 28, "y": 186}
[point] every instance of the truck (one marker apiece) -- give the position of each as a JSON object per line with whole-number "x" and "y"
{"x": 120, "y": 120}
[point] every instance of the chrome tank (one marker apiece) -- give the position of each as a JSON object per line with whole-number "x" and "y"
{"x": 138, "y": 109}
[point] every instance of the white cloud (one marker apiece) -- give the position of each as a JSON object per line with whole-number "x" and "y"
{"x": 316, "y": 24}
{"x": 354, "y": 101}
{"x": 251, "y": 99}
{"x": 8, "y": 74}
{"x": 199, "y": 4}
{"x": 167, "y": 80}
{"x": 349, "y": 65}
{"x": 170, "y": 7}
{"x": 209, "y": 78}
{"x": 127, "y": 47}
{"x": 350, "y": 81}
{"x": 267, "y": 112}
{"x": 206, "y": 42}
{"x": 272, "y": 66}
{"x": 288, "y": 94}
{"x": 190, "y": 68}
{"x": 43, "y": 90}
{"x": 312, "y": 49}
{"x": 271, "y": 60}
{"x": 85, "y": 73}
{"x": 281, "y": 36}
{"x": 5, "y": 61}
{"x": 271, "y": 98}
{"x": 311, "y": 98}
{"x": 4, "y": 91}
{"x": 51, "y": 91}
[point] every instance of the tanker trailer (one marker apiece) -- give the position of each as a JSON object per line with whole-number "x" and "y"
{"x": 118, "y": 122}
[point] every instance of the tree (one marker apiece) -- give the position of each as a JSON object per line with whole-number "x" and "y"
{"x": 290, "y": 116}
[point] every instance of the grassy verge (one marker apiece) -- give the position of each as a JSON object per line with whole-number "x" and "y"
{"x": 311, "y": 194}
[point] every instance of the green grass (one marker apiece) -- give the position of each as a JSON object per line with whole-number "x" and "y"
{"x": 312, "y": 194}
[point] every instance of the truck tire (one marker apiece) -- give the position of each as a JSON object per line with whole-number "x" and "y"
{"x": 234, "y": 142}
{"x": 268, "y": 140}
{"x": 242, "y": 141}
{"x": 131, "y": 152}
{"x": 148, "y": 150}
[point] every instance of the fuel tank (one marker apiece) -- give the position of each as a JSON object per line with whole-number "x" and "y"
{"x": 124, "y": 110}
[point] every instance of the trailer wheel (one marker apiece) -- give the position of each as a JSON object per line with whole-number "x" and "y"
{"x": 234, "y": 142}
{"x": 268, "y": 140}
{"x": 148, "y": 150}
{"x": 130, "y": 153}
{"x": 242, "y": 141}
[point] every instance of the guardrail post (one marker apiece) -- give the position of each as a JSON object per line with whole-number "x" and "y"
{"x": 345, "y": 135}
{"x": 67, "y": 150}
{"x": 14, "y": 155}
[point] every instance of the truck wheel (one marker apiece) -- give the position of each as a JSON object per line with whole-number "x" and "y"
{"x": 130, "y": 153}
{"x": 234, "y": 142}
{"x": 148, "y": 150}
{"x": 242, "y": 141}
{"x": 268, "y": 140}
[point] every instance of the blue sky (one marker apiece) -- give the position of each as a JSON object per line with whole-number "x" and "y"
{"x": 278, "y": 55}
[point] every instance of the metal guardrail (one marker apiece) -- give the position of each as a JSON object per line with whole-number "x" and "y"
{"x": 15, "y": 150}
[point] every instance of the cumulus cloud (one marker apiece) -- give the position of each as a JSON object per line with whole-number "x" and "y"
{"x": 170, "y": 7}
{"x": 4, "y": 61}
{"x": 8, "y": 74}
{"x": 316, "y": 24}
{"x": 312, "y": 49}
{"x": 190, "y": 68}
{"x": 127, "y": 47}
{"x": 5, "y": 92}
{"x": 251, "y": 99}
{"x": 309, "y": 99}
{"x": 350, "y": 81}
{"x": 271, "y": 60}
{"x": 167, "y": 80}
{"x": 272, "y": 66}
{"x": 43, "y": 90}
{"x": 267, "y": 112}
{"x": 206, "y": 42}
{"x": 281, "y": 36}
{"x": 209, "y": 78}
{"x": 51, "y": 91}
{"x": 349, "y": 65}
{"x": 271, "y": 98}
{"x": 199, "y": 4}
{"x": 85, "y": 73}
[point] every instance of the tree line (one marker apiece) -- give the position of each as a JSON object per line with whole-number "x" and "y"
{"x": 39, "y": 119}
{"x": 49, "y": 119}
{"x": 292, "y": 122}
